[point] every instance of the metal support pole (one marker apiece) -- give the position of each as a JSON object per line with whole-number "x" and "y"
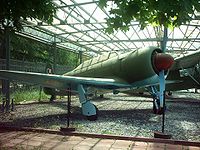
{"x": 12, "y": 105}
{"x": 80, "y": 56}
{"x": 67, "y": 129}
{"x": 161, "y": 134}
{"x": 163, "y": 43}
{"x": 163, "y": 115}
{"x": 163, "y": 47}
{"x": 3, "y": 104}
{"x": 7, "y": 82}
{"x": 68, "y": 106}
{"x": 40, "y": 94}
{"x": 54, "y": 55}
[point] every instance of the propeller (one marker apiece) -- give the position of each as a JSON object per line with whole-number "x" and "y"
{"x": 162, "y": 63}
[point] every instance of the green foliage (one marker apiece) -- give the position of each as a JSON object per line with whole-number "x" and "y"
{"x": 67, "y": 57}
{"x": 28, "y": 95}
{"x": 167, "y": 13}
{"x": 11, "y": 11}
{"x": 28, "y": 50}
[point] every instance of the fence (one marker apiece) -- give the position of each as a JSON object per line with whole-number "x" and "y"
{"x": 32, "y": 66}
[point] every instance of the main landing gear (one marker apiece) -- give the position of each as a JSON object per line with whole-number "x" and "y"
{"x": 156, "y": 106}
{"x": 88, "y": 109}
{"x": 159, "y": 108}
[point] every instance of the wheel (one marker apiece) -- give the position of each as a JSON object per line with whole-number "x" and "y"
{"x": 160, "y": 111}
{"x": 94, "y": 117}
{"x": 101, "y": 96}
{"x": 141, "y": 93}
{"x": 170, "y": 93}
{"x": 155, "y": 103}
{"x": 53, "y": 97}
{"x": 154, "y": 107}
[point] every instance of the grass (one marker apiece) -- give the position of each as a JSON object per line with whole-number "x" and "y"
{"x": 23, "y": 96}
{"x": 29, "y": 95}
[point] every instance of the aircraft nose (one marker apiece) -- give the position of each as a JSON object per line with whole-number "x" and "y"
{"x": 163, "y": 61}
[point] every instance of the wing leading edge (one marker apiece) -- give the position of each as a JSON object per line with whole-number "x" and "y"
{"x": 61, "y": 81}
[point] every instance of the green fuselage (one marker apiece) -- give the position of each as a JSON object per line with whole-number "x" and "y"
{"x": 129, "y": 67}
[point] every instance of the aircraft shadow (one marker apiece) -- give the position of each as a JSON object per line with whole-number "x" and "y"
{"x": 142, "y": 119}
{"x": 32, "y": 121}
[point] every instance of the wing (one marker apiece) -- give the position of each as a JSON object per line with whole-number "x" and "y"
{"x": 60, "y": 81}
{"x": 186, "y": 61}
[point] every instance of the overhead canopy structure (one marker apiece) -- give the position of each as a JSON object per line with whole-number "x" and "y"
{"x": 79, "y": 25}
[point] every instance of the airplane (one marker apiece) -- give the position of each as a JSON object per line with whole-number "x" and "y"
{"x": 184, "y": 74}
{"x": 145, "y": 67}
{"x": 186, "y": 71}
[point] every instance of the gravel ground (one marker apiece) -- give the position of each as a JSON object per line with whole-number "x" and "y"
{"x": 118, "y": 114}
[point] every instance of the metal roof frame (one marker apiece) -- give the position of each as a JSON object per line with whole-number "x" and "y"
{"x": 79, "y": 25}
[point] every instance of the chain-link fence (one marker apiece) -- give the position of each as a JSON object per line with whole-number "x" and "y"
{"x": 19, "y": 87}
{"x": 19, "y": 65}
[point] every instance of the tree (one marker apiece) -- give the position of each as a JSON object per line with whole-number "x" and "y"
{"x": 28, "y": 49}
{"x": 11, "y": 14}
{"x": 67, "y": 58}
{"x": 167, "y": 13}
{"x": 12, "y": 11}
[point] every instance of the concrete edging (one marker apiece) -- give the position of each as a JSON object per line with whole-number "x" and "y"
{"x": 102, "y": 136}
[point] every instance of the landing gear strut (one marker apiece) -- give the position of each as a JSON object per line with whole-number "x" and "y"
{"x": 88, "y": 109}
{"x": 159, "y": 109}
{"x": 156, "y": 107}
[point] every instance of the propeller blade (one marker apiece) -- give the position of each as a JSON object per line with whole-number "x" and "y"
{"x": 162, "y": 87}
{"x": 162, "y": 62}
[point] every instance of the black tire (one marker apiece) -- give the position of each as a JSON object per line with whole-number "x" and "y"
{"x": 161, "y": 111}
{"x": 141, "y": 93}
{"x": 170, "y": 93}
{"x": 53, "y": 97}
{"x": 155, "y": 111}
{"x": 94, "y": 117}
{"x": 154, "y": 107}
{"x": 101, "y": 96}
